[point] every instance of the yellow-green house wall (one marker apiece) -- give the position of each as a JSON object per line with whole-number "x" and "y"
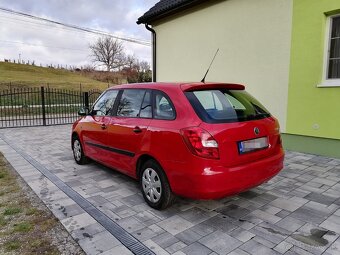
{"x": 254, "y": 39}
{"x": 276, "y": 48}
{"x": 313, "y": 117}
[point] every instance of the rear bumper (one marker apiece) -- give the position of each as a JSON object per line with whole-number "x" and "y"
{"x": 212, "y": 182}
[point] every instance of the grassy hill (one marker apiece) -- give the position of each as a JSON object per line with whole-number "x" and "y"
{"x": 33, "y": 76}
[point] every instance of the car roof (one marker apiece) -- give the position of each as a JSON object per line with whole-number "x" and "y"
{"x": 188, "y": 86}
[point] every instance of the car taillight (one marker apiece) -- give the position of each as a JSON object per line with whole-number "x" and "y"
{"x": 200, "y": 142}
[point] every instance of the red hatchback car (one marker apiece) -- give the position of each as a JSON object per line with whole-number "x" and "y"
{"x": 197, "y": 140}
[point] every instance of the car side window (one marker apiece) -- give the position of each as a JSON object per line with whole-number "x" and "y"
{"x": 209, "y": 100}
{"x": 163, "y": 107}
{"x": 146, "y": 109}
{"x": 105, "y": 103}
{"x": 130, "y": 103}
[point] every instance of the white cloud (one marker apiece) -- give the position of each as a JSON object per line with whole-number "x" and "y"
{"x": 61, "y": 45}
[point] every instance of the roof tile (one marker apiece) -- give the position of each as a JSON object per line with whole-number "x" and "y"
{"x": 165, "y": 8}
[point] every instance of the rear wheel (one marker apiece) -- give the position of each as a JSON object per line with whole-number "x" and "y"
{"x": 78, "y": 152}
{"x": 155, "y": 186}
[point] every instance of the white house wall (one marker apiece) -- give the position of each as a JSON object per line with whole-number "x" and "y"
{"x": 253, "y": 36}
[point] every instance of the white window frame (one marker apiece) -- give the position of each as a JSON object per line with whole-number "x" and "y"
{"x": 325, "y": 81}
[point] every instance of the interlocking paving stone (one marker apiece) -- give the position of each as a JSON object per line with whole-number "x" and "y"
{"x": 165, "y": 240}
{"x": 99, "y": 243}
{"x": 87, "y": 232}
{"x": 155, "y": 247}
{"x": 146, "y": 217}
{"x": 223, "y": 223}
{"x": 133, "y": 200}
{"x": 196, "y": 249}
{"x": 179, "y": 253}
{"x": 308, "y": 215}
{"x": 121, "y": 250}
{"x": 332, "y": 224}
{"x": 233, "y": 211}
{"x": 175, "y": 224}
{"x": 265, "y": 220}
{"x": 337, "y": 202}
{"x": 175, "y": 247}
{"x": 238, "y": 252}
{"x": 334, "y": 248}
{"x": 255, "y": 248}
{"x": 220, "y": 242}
{"x": 144, "y": 234}
{"x": 264, "y": 242}
{"x": 290, "y": 224}
{"x": 203, "y": 229}
{"x": 337, "y": 212}
{"x": 270, "y": 232}
{"x": 286, "y": 204}
{"x": 322, "y": 199}
{"x": 131, "y": 224}
{"x": 78, "y": 221}
{"x": 188, "y": 236}
{"x": 297, "y": 250}
{"x": 242, "y": 235}
{"x": 283, "y": 213}
{"x": 271, "y": 209}
{"x": 265, "y": 216}
{"x": 283, "y": 247}
{"x": 196, "y": 215}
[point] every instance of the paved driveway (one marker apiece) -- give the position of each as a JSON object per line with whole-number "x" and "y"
{"x": 297, "y": 212}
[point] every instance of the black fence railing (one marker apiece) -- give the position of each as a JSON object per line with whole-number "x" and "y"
{"x": 42, "y": 106}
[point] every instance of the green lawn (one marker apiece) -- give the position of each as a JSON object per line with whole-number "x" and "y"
{"x": 33, "y": 76}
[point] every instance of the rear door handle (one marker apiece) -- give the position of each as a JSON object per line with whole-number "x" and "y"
{"x": 103, "y": 126}
{"x": 137, "y": 130}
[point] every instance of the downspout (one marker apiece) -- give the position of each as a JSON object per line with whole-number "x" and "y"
{"x": 153, "y": 51}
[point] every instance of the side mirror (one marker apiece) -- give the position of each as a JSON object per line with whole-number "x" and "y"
{"x": 83, "y": 111}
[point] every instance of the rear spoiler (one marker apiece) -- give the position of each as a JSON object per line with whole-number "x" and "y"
{"x": 209, "y": 86}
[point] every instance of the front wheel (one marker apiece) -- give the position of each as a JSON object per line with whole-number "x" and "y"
{"x": 155, "y": 186}
{"x": 78, "y": 152}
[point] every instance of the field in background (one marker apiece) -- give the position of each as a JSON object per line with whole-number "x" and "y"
{"x": 21, "y": 76}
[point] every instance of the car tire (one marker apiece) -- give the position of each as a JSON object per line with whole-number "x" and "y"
{"x": 155, "y": 186}
{"x": 78, "y": 152}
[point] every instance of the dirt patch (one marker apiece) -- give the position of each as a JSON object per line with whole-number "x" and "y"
{"x": 26, "y": 224}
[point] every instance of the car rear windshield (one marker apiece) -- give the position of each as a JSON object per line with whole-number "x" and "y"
{"x": 221, "y": 105}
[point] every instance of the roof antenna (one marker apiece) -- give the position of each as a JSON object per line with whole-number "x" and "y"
{"x": 203, "y": 80}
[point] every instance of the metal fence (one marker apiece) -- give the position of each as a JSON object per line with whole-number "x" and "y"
{"x": 42, "y": 106}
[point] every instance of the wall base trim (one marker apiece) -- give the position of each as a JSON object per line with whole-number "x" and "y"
{"x": 313, "y": 145}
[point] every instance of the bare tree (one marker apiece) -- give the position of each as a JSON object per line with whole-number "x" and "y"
{"x": 108, "y": 52}
{"x": 136, "y": 70}
{"x": 130, "y": 61}
{"x": 144, "y": 66}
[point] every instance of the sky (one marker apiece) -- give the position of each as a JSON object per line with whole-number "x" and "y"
{"x": 45, "y": 43}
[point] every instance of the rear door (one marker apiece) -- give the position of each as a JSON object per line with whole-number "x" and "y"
{"x": 242, "y": 127}
{"x": 128, "y": 127}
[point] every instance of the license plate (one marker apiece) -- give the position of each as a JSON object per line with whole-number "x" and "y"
{"x": 252, "y": 145}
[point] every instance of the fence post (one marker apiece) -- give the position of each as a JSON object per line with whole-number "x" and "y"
{"x": 86, "y": 99}
{"x": 43, "y": 109}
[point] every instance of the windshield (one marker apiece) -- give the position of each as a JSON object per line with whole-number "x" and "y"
{"x": 218, "y": 106}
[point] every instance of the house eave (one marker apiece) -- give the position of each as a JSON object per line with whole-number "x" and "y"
{"x": 152, "y": 18}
